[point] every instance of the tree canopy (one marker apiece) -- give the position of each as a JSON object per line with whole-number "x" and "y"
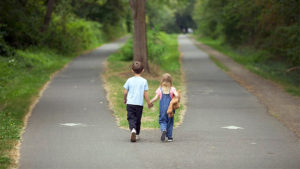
{"x": 271, "y": 25}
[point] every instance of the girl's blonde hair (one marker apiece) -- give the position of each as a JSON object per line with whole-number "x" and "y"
{"x": 166, "y": 83}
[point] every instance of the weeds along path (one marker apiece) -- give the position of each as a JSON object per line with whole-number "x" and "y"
{"x": 224, "y": 126}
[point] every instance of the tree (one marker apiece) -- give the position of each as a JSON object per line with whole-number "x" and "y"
{"x": 140, "y": 52}
{"x": 48, "y": 15}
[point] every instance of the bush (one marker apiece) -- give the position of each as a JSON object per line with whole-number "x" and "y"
{"x": 125, "y": 53}
{"x": 162, "y": 50}
{"x": 5, "y": 50}
{"x": 76, "y": 35}
{"x": 284, "y": 41}
{"x": 265, "y": 25}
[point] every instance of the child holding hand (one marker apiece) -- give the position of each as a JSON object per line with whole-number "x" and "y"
{"x": 165, "y": 92}
{"x": 135, "y": 90}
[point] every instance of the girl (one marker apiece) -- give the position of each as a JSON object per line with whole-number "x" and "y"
{"x": 165, "y": 92}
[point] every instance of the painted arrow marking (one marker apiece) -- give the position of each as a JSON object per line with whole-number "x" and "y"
{"x": 232, "y": 127}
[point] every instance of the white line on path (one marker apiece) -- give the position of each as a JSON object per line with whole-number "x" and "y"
{"x": 73, "y": 124}
{"x": 232, "y": 127}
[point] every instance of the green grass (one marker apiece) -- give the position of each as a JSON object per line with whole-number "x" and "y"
{"x": 164, "y": 54}
{"x": 261, "y": 63}
{"x": 21, "y": 78}
{"x": 219, "y": 64}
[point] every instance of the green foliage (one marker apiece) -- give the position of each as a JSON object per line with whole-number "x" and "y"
{"x": 208, "y": 20}
{"x": 267, "y": 25}
{"x": 184, "y": 18}
{"x": 75, "y": 25}
{"x": 170, "y": 16}
{"x": 258, "y": 61}
{"x": 125, "y": 53}
{"x": 163, "y": 50}
{"x": 75, "y": 35}
{"x": 160, "y": 50}
{"x": 284, "y": 42}
{"x": 115, "y": 16}
{"x": 161, "y": 16}
{"x": 21, "y": 21}
{"x": 5, "y": 50}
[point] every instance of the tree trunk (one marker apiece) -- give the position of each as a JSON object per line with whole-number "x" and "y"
{"x": 47, "y": 18}
{"x": 140, "y": 52}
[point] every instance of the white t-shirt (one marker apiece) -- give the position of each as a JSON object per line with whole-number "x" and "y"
{"x": 136, "y": 86}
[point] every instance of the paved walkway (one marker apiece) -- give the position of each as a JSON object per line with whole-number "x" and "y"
{"x": 72, "y": 128}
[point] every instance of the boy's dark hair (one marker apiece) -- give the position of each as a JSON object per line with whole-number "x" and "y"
{"x": 137, "y": 67}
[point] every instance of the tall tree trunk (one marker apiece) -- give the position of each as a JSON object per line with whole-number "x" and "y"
{"x": 47, "y": 18}
{"x": 140, "y": 51}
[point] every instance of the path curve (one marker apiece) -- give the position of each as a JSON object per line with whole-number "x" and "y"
{"x": 72, "y": 127}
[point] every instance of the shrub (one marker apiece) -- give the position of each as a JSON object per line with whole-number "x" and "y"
{"x": 162, "y": 50}
{"x": 75, "y": 35}
{"x": 284, "y": 41}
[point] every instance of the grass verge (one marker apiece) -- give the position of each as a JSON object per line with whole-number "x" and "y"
{"x": 259, "y": 62}
{"x": 219, "y": 64}
{"x": 164, "y": 54}
{"x": 21, "y": 78}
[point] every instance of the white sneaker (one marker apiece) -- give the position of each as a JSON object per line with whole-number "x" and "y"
{"x": 137, "y": 137}
{"x": 133, "y": 135}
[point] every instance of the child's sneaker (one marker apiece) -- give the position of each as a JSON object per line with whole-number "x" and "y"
{"x": 163, "y": 136}
{"x": 133, "y": 135}
{"x": 170, "y": 139}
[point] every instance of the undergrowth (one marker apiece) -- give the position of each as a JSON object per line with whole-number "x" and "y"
{"x": 259, "y": 62}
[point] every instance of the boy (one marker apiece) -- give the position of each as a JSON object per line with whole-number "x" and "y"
{"x": 135, "y": 91}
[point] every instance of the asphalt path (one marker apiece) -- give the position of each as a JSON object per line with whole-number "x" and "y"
{"x": 224, "y": 127}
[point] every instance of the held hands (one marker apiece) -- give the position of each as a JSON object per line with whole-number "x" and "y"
{"x": 150, "y": 104}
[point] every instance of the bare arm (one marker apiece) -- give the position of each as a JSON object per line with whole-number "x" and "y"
{"x": 154, "y": 99}
{"x": 147, "y": 99}
{"x": 125, "y": 96}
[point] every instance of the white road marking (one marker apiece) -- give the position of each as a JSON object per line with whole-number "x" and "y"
{"x": 73, "y": 124}
{"x": 253, "y": 143}
{"x": 232, "y": 127}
